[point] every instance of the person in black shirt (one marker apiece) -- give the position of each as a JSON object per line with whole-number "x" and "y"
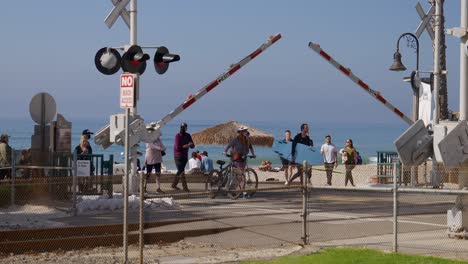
{"x": 88, "y": 134}
{"x": 301, "y": 138}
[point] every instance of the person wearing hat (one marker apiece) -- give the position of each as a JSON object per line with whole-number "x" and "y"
{"x": 240, "y": 147}
{"x": 183, "y": 141}
{"x": 88, "y": 134}
{"x": 5, "y": 156}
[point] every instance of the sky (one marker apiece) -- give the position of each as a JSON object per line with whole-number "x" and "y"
{"x": 49, "y": 46}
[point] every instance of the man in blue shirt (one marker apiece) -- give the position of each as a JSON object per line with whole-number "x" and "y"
{"x": 206, "y": 163}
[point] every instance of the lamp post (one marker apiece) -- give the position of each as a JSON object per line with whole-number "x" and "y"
{"x": 412, "y": 42}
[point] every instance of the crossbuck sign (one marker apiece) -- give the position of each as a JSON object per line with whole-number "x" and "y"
{"x": 127, "y": 90}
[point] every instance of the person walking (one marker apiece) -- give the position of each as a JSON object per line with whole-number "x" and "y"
{"x": 153, "y": 159}
{"x": 351, "y": 160}
{"x": 5, "y": 156}
{"x": 301, "y": 138}
{"x": 183, "y": 141}
{"x": 329, "y": 153}
{"x": 287, "y": 166}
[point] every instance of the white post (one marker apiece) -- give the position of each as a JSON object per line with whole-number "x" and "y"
{"x": 133, "y": 111}
{"x": 463, "y": 174}
{"x": 463, "y": 63}
{"x": 128, "y": 172}
{"x": 435, "y": 173}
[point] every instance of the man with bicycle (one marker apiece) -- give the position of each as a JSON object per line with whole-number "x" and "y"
{"x": 240, "y": 147}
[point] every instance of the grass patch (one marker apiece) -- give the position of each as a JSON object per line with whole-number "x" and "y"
{"x": 355, "y": 256}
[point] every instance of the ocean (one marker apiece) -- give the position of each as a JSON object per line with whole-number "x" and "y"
{"x": 368, "y": 138}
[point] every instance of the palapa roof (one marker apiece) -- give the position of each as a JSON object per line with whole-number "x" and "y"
{"x": 222, "y": 134}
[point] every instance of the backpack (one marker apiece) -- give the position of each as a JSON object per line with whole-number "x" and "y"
{"x": 359, "y": 159}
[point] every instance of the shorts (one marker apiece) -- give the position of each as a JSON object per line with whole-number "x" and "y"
{"x": 157, "y": 168}
{"x": 285, "y": 162}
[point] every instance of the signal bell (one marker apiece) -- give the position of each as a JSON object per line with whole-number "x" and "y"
{"x": 162, "y": 58}
{"x": 134, "y": 60}
{"x": 107, "y": 61}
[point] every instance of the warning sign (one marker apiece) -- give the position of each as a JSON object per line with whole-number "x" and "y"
{"x": 127, "y": 90}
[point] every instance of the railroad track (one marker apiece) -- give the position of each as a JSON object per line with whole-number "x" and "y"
{"x": 80, "y": 237}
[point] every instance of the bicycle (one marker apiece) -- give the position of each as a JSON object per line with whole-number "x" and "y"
{"x": 230, "y": 180}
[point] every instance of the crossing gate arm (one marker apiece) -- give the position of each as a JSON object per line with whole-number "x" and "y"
{"x": 362, "y": 84}
{"x": 203, "y": 91}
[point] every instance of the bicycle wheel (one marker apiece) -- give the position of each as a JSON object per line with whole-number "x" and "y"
{"x": 213, "y": 183}
{"x": 235, "y": 184}
{"x": 251, "y": 181}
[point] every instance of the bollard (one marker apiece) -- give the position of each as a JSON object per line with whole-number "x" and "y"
{"x": 74, "y": 179}
{"x": 395, "y": 209}
{"x": 304, "y": 203}
{"x": 142, "y": 198}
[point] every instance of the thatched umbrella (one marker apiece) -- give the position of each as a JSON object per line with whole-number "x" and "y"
{"x": 222, "y": 134}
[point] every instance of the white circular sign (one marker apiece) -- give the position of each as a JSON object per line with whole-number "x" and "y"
{"x": 42, "y": 108}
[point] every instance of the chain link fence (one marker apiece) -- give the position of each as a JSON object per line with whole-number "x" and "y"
{"x": 45, "y": 214}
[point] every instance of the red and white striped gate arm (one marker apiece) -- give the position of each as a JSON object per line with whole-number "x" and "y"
{"x": 359, "y": 82}
{"x": 233, "y": 69}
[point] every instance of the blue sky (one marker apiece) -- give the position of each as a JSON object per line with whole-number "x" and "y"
{"x": 49, "y": 46}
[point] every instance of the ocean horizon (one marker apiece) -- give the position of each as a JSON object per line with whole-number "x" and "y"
{"x": 368, "y": 138}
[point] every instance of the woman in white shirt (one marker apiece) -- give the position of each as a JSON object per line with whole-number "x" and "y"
{"x": 194, "y": 163}
{"x": 153, "y": 159}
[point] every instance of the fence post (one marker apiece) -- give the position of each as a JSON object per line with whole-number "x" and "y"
{"x": 304, "y": 203}
{"x": 395, "y": 209}
{"x": 142, "y": 208}
{"x": 13, "y": 176}
{"x": 110, "y": 176}
{"x": 75, "y": 172}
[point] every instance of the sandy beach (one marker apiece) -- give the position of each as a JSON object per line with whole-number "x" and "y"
{"x": 361, "y": 174}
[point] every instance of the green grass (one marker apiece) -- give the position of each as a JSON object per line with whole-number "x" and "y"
{"x": 358, "y": 256}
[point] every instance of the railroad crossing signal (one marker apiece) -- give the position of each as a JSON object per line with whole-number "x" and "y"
{"x": 118, "y": 10}
{"x": 107, "y": 61}
{"x": 162, "y": 58}
{"x": 425, "y": 21}
{"x": 134, "y": 60}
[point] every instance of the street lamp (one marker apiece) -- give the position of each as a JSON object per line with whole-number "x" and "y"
{"x": 412, "y": 42}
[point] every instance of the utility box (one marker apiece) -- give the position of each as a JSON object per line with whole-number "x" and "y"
{"x": 414, "y": 146}
{"x": 451, "y": 143}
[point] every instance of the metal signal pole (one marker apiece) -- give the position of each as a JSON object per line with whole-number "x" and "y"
{"x": 130, "y": 168}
